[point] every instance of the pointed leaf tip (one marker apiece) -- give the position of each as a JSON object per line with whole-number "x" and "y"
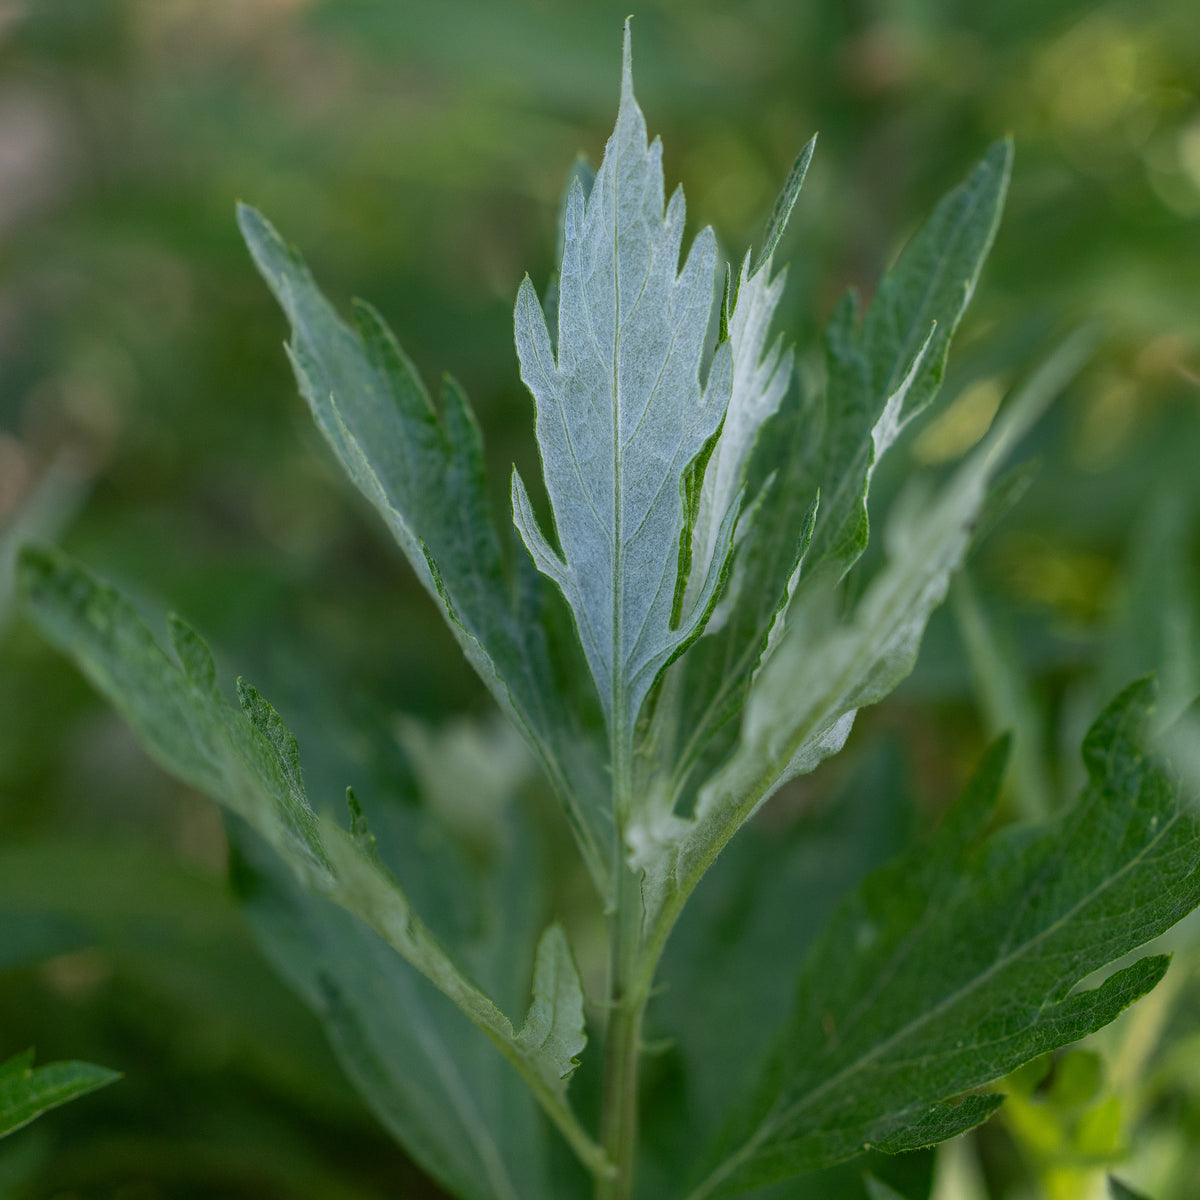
{"x": 1122, "y": 1191}
{"x": 784, "y": 203}
{"x": 627, "y": 61}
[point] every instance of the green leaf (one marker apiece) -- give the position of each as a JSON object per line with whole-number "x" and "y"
{"x": 423, "y": 470}
{"x": 554, "y": 1025}
{"x": 963, "y": 960}
{"x": 878, "y": 1190}
{"x": 435, "y": 1083}
{"x": 880, "y": 375}
{"x": 804, "y": 699}
{"x": 885, "y": 371}
{"x": 1005, "y": 695}
{"x": 27, "y": 1091}
{"x": 249, "y": 762}
{"x": 1122, "y": 1191}
{"x": 741, "y": 924}
{"x": 784, "y": 203}
{"x": 177, "y": 713}
{"x": 621, "y": 412}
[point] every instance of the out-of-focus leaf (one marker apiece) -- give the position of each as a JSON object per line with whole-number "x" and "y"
{"x": 1122, "y": 1191}
{"x": 249, "y": 762}
{"x": 878, "y": 1190}
{"x": 27, "y": 1091}
{"x": 1006, "y": 697}
{"x": 961, "y": 960}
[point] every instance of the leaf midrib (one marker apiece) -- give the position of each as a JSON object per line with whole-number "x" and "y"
{"x": 771, "y": 1125}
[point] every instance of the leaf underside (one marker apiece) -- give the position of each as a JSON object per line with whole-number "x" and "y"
{"x": 808, "y": 460}
{"x": 621, "y": 412}
{"x": 705, "y": 512}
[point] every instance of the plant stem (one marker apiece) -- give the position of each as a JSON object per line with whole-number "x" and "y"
{"x": 619, "y": 1116}
{"x": 626, "y": 1000}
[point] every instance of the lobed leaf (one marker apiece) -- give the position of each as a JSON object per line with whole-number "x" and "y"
{"x": 879, "y": 376}
{"x": 554, "y": 1024}
{"x": 802, "y": 703}
{"x": 621, "y": 413}
{"x": 962, "y": 960}
{"x": 423, "y": 470}
{"x": 884, "y": 371}
{"x": 760, "y": 375}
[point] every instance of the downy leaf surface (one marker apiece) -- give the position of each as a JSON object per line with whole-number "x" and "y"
{"x": 802, "y": 703}
{"x": 962, "y": 960}
{"x": 808, "y": 461}
{"x": 621, "y": 413}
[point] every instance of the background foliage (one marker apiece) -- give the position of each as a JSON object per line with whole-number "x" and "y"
{"x": 147, "y": 417}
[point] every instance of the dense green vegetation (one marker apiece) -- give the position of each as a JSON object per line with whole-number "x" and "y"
{"x": 150, "y": 425}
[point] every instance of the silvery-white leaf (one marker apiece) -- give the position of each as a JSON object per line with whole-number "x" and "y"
{"x": 621, "y": 414}
{"x": 760, "y": 376}
{"x": 801, "y": 704}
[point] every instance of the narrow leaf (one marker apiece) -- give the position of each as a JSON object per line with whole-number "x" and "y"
{"x": 784, "y": 204}
{"x": 886, "y": 370}
{"x": 249, "y": 762}
{"x": 27, "y": 1091}
{"x": 1122, "y": 1191}
{"x": 760, "y": 375}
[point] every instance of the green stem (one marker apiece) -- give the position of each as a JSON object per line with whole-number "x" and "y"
{"x": 619, "y": 1115}
{"x": 627, "y": 1001}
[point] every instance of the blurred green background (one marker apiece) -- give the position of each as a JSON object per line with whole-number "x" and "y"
{"x": 149, "y": 421}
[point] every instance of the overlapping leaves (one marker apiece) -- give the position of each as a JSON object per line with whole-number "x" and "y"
{"x": 423, "y": 470}
{"x": 703, "y": 515}
{"x": 249, "y": 762}
{"x": 622, "y": 412}
{"x": 960, "y": 961}
{"x": 812, "y": 458}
